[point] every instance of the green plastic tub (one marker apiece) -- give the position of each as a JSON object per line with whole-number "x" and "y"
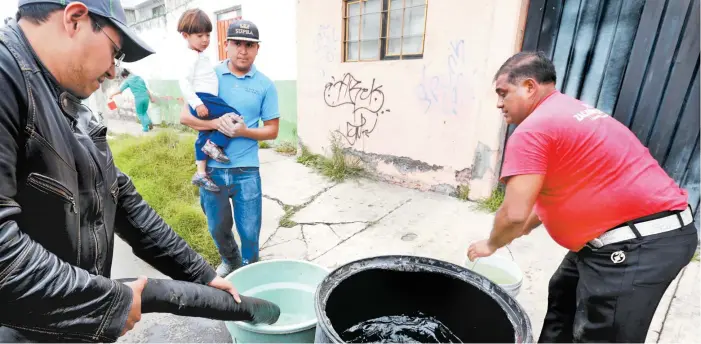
{"x": 290, "y": 284}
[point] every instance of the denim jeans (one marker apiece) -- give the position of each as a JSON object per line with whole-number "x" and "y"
{"x": 217, "y": 108}
{"x": 242, "y": 186}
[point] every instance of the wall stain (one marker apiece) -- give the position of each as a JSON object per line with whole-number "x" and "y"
{"x": 481, "y": 163}
{"x": 403, "y": 164}
{"x": 480, "y": 168}
{"x": 464, "y": 175}
{"x": 445, "y": 189}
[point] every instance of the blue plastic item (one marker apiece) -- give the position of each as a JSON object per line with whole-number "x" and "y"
{"x": 291, "y": 285}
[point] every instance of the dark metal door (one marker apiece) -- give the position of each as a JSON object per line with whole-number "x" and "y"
{"x": 636, "y": 60}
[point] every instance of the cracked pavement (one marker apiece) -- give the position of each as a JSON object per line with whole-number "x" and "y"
{"x": 332, "y": 224}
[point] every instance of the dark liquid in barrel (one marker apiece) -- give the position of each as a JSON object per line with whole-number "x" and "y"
{"x": 417, "y": 328}
{"x": 379, "y": 305}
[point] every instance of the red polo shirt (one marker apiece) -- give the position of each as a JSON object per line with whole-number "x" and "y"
{"x": 597, "y": 173}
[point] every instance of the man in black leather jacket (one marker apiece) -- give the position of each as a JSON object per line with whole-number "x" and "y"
{"x": 62, "y": 198}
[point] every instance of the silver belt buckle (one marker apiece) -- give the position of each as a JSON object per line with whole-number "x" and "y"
{"x": 596, "y": 242}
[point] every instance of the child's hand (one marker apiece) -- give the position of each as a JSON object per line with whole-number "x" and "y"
{"x": 202, "y": 111}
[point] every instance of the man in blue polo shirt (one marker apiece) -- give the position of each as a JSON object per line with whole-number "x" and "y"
{"x": 255, "y": 97}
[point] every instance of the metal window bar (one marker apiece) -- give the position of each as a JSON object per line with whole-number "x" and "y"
{"x": 384, "y": 28}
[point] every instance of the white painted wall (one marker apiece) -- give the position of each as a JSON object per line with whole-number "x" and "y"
{"x": 276, "y": 21}
{"x": 438, "y": 112}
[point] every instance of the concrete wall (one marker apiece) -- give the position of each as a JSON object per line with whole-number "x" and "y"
{"x": 429, "y": 123}
{"x": 276, "y": 59}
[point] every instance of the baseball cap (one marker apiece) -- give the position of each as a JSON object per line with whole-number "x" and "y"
{"x": 242, "y": 30}
{"x": 133, "y": 47}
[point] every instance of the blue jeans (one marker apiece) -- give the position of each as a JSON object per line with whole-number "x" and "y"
{"x": 242, "y": 185}
{"x": 217, "y": 107}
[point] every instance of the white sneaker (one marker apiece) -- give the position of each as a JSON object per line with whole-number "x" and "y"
{"x": 224, "y": 270}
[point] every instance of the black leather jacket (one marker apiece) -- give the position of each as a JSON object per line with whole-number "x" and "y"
{"x": 62, "y": 199}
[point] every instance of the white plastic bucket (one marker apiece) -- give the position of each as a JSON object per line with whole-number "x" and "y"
{"x": 154, "y": 113}
{"x": 500, "y": 270}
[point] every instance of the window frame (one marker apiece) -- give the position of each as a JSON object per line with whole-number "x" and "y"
{"x": 384, "y": 31}
{"x": 156, "y": 9}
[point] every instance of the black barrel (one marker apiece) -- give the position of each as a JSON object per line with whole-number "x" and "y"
{"x": 407, "y": 298}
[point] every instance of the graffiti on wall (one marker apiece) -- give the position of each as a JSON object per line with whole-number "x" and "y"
{"x": 364, "y": 101}
{"x": 327, "y": 45}
{"x": 443, "y": 92}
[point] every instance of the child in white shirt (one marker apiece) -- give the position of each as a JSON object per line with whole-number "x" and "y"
{"x": 200, "y": 87}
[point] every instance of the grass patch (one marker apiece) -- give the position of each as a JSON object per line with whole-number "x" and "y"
{"x": 308, "y": 158}
{"x": 338, "y": 167}
{"x": 286, "y": 147}
{"x": 161, "y": 166}
{"x": 178, "y": 127}
{"x": 463, "y": 192}
{"x": 695, "y": 258}
{"x": 493, "y": 202}
{"x": 285, "y": 220}
{"x": 263, "y": 144}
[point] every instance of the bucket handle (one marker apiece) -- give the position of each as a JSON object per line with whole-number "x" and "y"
{"x": 511, "y": 254}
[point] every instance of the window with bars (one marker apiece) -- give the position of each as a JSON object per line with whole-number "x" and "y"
{"x": 158, "y": 10}
{"x": 384, "y": 29}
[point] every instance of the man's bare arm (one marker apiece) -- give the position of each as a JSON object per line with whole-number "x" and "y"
{"x": 193, "y": 122}
{"x": 514, "y": 215}
{"x": 115, "y": 94}
{"x": 269, "y": 131}
{"x": 532, "y": 222}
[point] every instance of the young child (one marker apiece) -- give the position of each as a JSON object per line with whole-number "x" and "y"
{"x": 200, "y": 87}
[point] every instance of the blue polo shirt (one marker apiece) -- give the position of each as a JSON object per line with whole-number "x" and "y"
{"x": 255, "y": 97}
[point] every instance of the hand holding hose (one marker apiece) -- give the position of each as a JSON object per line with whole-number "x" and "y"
{"x": 213, "y": 301}
{"x": 137, "y": 287}
{"x": 226, "y": 286}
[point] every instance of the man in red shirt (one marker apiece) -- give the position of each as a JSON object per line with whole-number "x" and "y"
{"x": 599, "y": 193}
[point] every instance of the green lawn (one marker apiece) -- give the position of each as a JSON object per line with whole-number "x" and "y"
{"x": 161, "y": 166}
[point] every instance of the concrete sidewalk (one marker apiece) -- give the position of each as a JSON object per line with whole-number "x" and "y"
{"x": 338, "y": 223}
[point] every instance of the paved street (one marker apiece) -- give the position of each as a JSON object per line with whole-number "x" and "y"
{"x": 338, "y": 223}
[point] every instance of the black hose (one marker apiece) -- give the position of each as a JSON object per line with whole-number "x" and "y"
{"x": 197, "y": 300}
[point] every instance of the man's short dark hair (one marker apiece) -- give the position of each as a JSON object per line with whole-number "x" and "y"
{"x": 39, "y": 13}
{"x": 528, "y": 64}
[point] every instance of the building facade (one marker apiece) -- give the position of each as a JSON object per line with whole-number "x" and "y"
{"x": 407, "y": 86}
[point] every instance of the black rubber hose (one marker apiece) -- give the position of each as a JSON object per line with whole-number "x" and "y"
{"x": 197, "y": 300}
